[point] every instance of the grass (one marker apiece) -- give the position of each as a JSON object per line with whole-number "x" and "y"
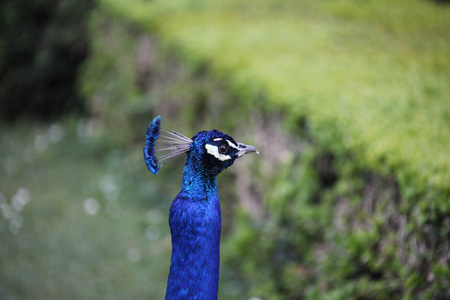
{"x": 368, "y": 79}
{"x": 57, "y": 244}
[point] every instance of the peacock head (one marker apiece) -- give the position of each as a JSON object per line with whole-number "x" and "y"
{"x": 214, "y": 151}
{"x": 211, "y": 151}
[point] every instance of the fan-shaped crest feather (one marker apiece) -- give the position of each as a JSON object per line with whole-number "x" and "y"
{"x": 170, "y": 144}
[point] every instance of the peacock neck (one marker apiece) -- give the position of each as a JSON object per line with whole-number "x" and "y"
{"x": 195, "y": 224}
{"x": 198, "y": 180}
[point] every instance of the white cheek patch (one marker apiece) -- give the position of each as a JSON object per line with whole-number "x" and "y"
{"x": 214, "y": 150}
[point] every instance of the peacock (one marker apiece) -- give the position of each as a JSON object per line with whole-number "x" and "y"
{"x": 194, "y": 218}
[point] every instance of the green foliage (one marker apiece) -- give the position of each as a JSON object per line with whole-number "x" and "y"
{"x": 350, "y": 240}
{"x": 364, "y": 67}
{"x": 115, "y": 101}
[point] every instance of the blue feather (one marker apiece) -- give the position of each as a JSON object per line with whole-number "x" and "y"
{"x": 170, "y": 145}
{"x": 149, "y": 150}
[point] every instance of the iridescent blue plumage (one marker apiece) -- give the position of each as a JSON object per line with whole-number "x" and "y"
{"x": 195, "y": 219}
{"x": 149, "y": 150}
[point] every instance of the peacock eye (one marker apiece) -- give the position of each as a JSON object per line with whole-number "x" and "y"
{"x": 223, "y": 148}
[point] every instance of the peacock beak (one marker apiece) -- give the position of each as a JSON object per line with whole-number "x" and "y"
{"x": 245, "y": 149}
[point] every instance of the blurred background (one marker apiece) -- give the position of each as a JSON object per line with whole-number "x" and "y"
{"x": 347, "y": 102}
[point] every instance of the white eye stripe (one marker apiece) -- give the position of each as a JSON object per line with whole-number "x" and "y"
{"x": 214, "y": 150}
{"x": 229, "y": 143}
{"x": 232, "y": 145}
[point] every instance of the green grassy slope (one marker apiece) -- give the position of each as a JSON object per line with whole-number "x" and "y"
{"x": 371, "y": 77}
{"x": 57, "y": 244}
